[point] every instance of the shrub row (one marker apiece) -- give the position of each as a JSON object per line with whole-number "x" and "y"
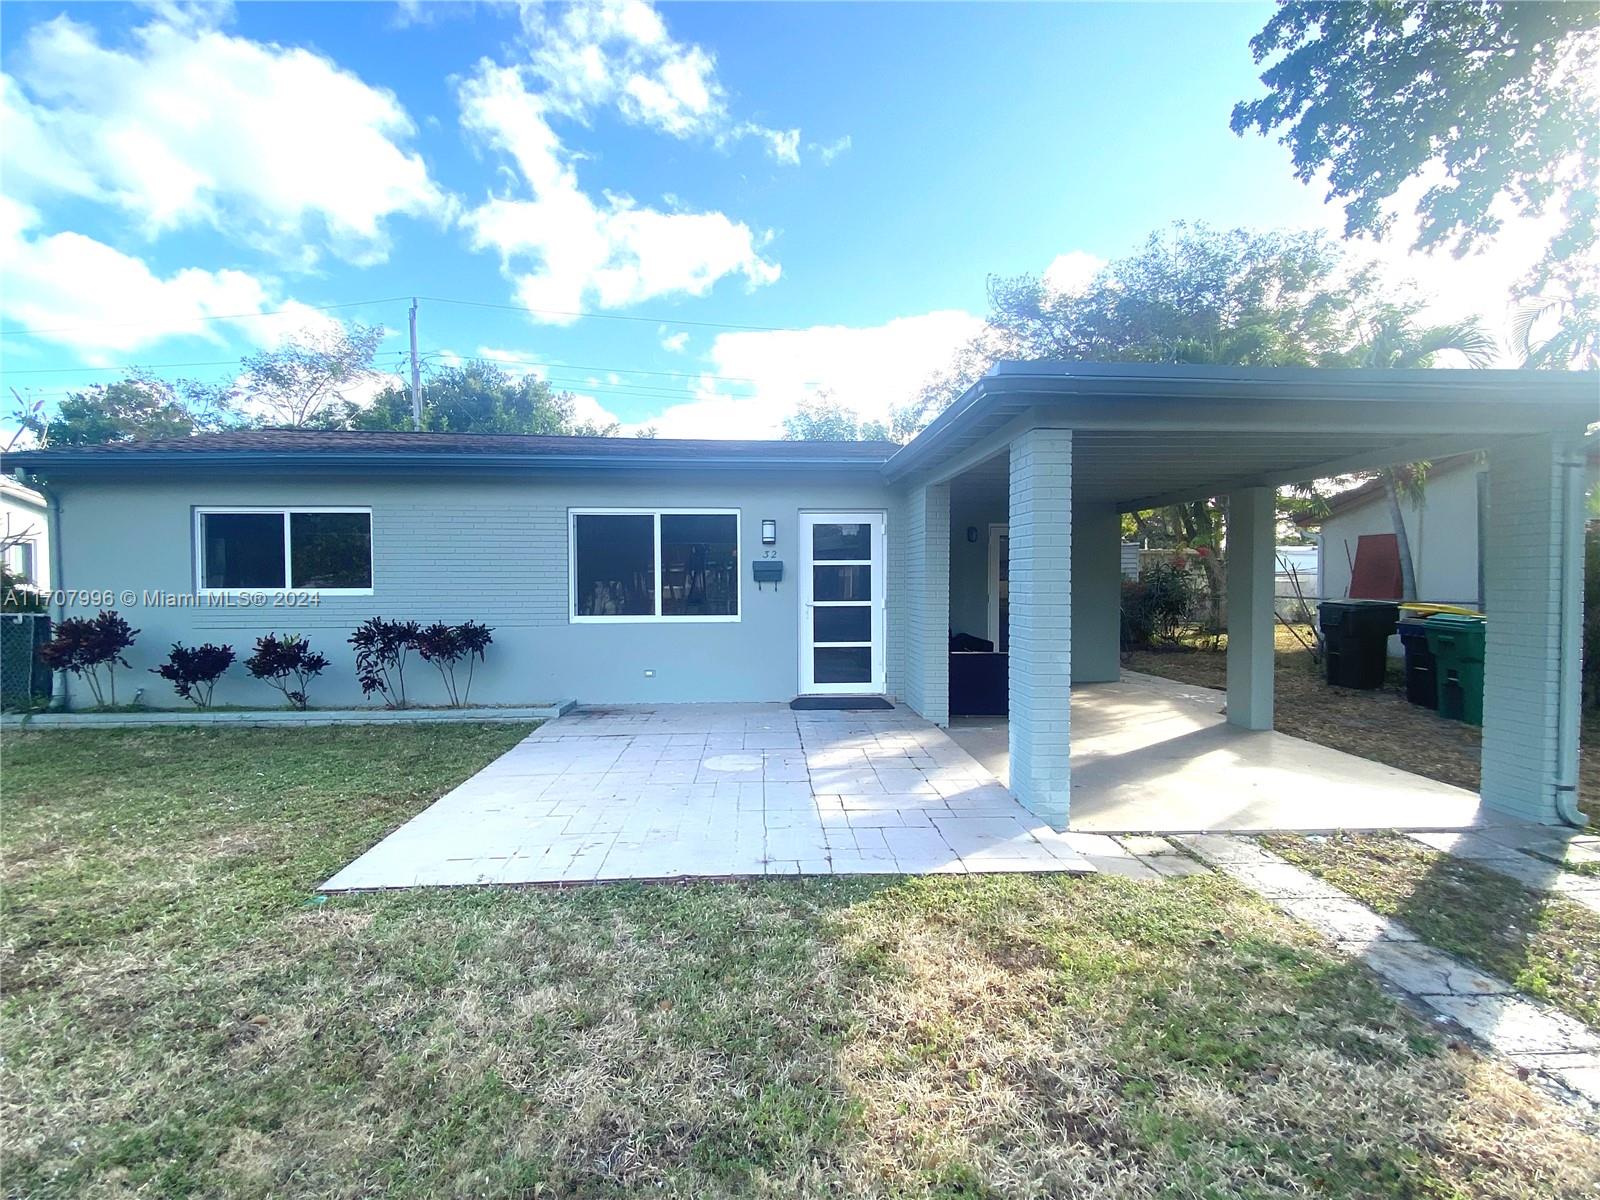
{"x": 88, "y": 646}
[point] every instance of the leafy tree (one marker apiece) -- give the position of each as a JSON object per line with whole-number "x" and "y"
{"x": 1190, "y": 294}
{"x": 474, "y": 397}
{"x": 1497, "y": 99}
{"x": 1393, "y": 341}
{"x": 294, "y": 382}
{"x": 825, "y": 419}
{"x": 140, "y": 406}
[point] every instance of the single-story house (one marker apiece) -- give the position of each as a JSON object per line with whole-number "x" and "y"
{"x": 621, "y": 570}
{"x": 25, "y": 532}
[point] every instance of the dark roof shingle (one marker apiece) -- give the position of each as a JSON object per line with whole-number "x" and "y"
{"x": 309, "y": 444}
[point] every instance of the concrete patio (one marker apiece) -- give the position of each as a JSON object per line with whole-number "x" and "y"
{"x": 717, "y": 790}
{"x": 1152, "y": 755}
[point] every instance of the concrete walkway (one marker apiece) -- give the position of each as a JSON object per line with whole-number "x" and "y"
{"x": 1562, "y": 1053}
{"x": 716, "y": 790}
{"x": 1151, "y": 755}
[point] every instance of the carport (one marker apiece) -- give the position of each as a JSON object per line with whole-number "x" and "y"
{"x": 1068, "y": 447}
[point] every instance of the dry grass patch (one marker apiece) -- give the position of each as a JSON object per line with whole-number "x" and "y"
{"x": 1546, "y": 946}
{"x": 184, "y": 1019}
{"x": 1098, "y": 1037}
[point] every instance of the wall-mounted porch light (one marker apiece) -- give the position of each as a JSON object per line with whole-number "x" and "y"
{"x": 769, "y": 533}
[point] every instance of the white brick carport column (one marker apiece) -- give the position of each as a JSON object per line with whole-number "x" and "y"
{"x": 1533, "y": 580}
{"x": 1252, "y": 551}
{"x": 927, "y": 600}
{"x": 1041, "y": 622}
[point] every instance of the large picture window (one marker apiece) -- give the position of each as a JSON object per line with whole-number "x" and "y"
{"x": 668, "y": 564}
{"x": 298, "y": 549}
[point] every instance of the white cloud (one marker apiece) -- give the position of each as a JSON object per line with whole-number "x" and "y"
{"x": 619, "y": 52}
{"x": 826, "y": 152}
{"x": 869, "y": 369}
{"x": 562, "y": 248}
{"x": 676, "y": 343}
{"x": 1073, "y": 271}
{"x": 190, "y": 125}
{"x": 589, "y": 411}
{"x": 97, "y": 300}
{"x": 782, "y": 144}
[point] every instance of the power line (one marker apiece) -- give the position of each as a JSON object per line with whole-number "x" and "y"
{"x": 279, "y": 312}
{"x": 517, "y": 308}
{"x": 563, "y": 312}
{"x": 549, "y": 366}
{"x": 219, "y": 362}
{"x": 432, "y": 356}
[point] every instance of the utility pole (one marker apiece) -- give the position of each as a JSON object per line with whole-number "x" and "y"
{"x": 416, "y": 372}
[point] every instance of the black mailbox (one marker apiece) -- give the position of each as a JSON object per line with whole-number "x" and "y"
{"x": 768, "y": 570}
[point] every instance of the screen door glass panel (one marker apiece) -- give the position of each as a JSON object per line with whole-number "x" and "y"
{"x": 845, "y": 623}
{"x": 831, "y": 582}
{"x": 844, "y": 664}
{"x": 850, "y": 542}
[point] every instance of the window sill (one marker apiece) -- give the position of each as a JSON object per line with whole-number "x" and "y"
{"x": 580, "y": 620}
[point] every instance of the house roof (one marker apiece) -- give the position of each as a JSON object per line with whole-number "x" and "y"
{"x": 18, "y": 494}
{"x": 1144, "y": 435}
{"x": 320, "y": 448}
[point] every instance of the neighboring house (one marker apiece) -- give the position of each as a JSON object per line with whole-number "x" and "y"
{"x": 25, "y": 532}
{"x": 1445, "y": 531}
{"x": 621, "y": 570}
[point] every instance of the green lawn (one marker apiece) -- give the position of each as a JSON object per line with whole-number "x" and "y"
{"x": 1547, "y": 947}
{"x": 182, "y": 1018}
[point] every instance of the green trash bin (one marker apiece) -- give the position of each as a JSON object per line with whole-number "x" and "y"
{"x": 1457, "y": 646}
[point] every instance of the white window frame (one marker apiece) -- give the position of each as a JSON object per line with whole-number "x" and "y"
{"x": 655, "y": 618}
{"x": 286, "y": 511}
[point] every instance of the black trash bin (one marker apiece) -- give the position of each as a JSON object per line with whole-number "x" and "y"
{"x": 1421, "y": 671}
{"x": 1355, "y": 635}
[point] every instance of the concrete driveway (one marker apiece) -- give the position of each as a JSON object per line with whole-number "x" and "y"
{"x": 716, "y": 790}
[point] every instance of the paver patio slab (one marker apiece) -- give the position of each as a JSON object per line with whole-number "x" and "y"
{"x": 686, "y": 791}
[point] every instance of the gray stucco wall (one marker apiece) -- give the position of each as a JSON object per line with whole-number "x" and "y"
{"x": 492, "y": 550}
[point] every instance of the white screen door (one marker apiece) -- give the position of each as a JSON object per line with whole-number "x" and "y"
{"x": 841, "y": 604}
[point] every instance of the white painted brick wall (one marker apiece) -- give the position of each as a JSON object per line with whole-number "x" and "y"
{"x": 1041, "y": 622}
{"x": 927, "y": 601}
{"x": 1523, "y": 548}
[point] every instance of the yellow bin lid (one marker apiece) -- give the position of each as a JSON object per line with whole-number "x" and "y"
{"x": 1430, "y": 610}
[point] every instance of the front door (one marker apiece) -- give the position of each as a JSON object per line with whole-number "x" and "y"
{"x": 841, "y": 604}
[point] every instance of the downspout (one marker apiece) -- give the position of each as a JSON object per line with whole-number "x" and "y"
{"x": 1569, "y": 611}
{"x": 58, "y": 596}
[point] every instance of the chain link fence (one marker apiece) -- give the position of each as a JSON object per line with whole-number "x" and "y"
{"x": 24, "y": 681}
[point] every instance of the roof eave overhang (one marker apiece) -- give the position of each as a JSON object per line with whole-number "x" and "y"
{"x": 64, "y": 463}
{"x": 1502, "y": 402}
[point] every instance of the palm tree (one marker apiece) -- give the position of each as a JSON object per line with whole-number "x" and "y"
{"x": 1393, "y": 342}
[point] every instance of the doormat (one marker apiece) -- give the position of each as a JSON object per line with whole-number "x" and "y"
{"x": 840, "y": 704}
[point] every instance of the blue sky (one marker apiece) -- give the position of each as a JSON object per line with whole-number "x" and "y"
{"x": 842, "y": 176}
